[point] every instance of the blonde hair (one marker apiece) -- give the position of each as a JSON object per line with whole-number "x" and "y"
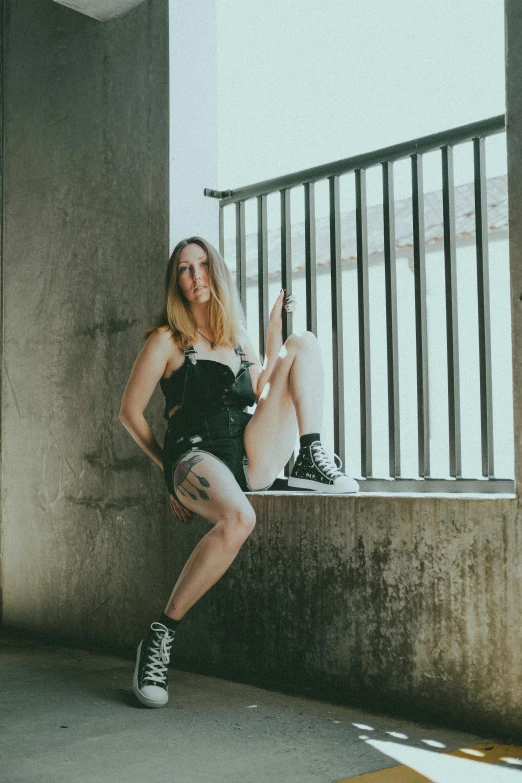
{"x": 225, "y": 312}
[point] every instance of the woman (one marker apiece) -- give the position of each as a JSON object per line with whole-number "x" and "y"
{"x": 214, "y": 450}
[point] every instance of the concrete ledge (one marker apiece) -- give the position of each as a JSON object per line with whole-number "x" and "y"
{"x": 444, "y": 487}
{"x": 448, "y": 495}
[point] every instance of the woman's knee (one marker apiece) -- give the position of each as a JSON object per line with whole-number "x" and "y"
{"x": 238, "y": 524}
{"x": 302, "y": 341}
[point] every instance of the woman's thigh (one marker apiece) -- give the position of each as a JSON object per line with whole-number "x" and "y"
{"x": 206, "y": 486}
{"x": 270, "y": 435}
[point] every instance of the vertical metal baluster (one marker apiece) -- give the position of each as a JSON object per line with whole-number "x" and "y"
{"x": 286, "y": 257}
{"x": 452, "y": 330}
{"x": 286, "y": 275}
{"x": 421, "y": 326}
{"x": 392, "y": 344}
{"x": 337, "y": 317}
{"x": 484, "y": 323}
{"x": 262, "y": 272}
{"x": 241, "y": 252}
{"x": 221, "y": 231}
{"x": 310, "y": 258}
{"x": 364, "y": 322}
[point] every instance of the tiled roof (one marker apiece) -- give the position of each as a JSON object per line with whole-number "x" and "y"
{"x": 464, "y": 229}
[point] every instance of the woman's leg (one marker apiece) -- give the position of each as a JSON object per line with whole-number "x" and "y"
{"x": 207, "y": 487}
{"x": 291, "y": 402}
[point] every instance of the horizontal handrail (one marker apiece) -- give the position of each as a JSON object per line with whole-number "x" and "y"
{"x": 414, "y": 147}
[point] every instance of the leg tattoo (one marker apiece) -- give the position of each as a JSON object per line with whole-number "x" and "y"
{"x": 181, "y": 477}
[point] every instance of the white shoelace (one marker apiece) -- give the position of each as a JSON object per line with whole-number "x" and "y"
{"x": 323, "y": 461}
{"x": 158, "y": 653}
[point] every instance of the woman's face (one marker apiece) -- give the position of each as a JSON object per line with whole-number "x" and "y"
{"x": 193, "y": 275}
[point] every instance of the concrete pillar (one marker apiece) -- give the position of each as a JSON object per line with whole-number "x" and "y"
{"x": 84, "y": 255}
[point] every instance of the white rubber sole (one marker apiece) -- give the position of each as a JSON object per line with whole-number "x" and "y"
{"x": 155, "y": 703}
{"x": 330, "y": 489}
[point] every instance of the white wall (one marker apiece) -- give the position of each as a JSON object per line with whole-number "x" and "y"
{"x": 193, "y": 119}
{"x": 307, "y": 82}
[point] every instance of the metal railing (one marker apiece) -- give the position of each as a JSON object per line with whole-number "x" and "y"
{"x": 444, "y": 141}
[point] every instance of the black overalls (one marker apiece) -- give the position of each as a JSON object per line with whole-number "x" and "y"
{"x": 211, "y": 416}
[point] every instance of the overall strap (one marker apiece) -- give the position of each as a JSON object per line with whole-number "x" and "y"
{"x": 240, "y": 352}
{"x": 190, "y": 361}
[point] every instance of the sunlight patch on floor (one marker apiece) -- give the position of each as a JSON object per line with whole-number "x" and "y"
{"x": 481, "y": 763}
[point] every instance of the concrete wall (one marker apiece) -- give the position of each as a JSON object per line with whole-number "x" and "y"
{"x": 413, "y": 604}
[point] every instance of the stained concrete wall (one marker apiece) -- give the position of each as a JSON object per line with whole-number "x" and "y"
{"x": 408, "y": 604}
{"x": 413, "y": 604}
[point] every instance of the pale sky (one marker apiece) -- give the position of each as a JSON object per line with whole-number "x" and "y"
{"x": 303, "y": 82}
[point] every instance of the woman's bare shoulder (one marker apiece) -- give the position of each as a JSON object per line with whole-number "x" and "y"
{"x": 158, "y": 340}
{"x": 242, "y": 334}
{"x": 162, "y": 340}
{"x": 164, "y": 330}
{"x": 247, "y": 344}
{"x": 161, "y": 336}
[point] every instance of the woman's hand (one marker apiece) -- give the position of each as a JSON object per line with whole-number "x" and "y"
{"x": 288, "y": 302}
{"x": 179, "y": 510}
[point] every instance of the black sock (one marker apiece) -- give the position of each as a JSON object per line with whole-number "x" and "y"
{"x": 306, "y": 440}
{"x": 168, "y": 621}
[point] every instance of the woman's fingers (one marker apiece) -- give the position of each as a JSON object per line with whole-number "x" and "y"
{"x": 179, "y": 510}
{"x": 173, "y": 506}
{"x": 290, "y": 303}
{"x": 184, "y": 512}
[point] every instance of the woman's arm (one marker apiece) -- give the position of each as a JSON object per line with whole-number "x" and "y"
{"x": 147, "y": 370}
{"x": 274, "y": 342}
{"x": 259, "y": 375}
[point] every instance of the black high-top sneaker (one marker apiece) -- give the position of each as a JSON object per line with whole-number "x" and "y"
{"x": 150, "y": 674}
{"x": 313, "y": 469}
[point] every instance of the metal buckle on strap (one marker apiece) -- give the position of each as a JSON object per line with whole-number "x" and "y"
{"x": 245, "y": 364}
{"x": 190, "y": 353}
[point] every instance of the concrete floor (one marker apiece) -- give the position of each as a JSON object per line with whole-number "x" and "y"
{"x": 69, "y": 715}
